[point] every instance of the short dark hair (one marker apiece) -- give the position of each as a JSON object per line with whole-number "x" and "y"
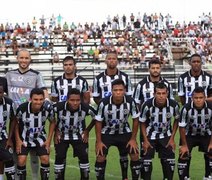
{"x": 118, "y": 82}
{"x": 37, "y": 91}
{"x": 111, "y": 52}
{"x": 73, "y": 91}
{"x": 67, "y": 58}
{"x": 160, "y": 85}
{"x": 198, "y": 90}
{"x": 195, "y": 55}
{"x": 154, "y": 61}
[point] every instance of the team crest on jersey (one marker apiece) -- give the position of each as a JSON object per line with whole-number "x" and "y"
{"x": 78, "y": 87}
{"x": 126, "y": 111}
{"x": 105, "y": 84}
{"x": 188, "y": 84}
{"x": 109, "y": 112}
{"x": 28, "y": 81}
{"x": 168, "y": 115}
{"x": 207, "y": 116}
{"x": 204, "y": 83}
{"x": 61, "y": 88}
{"x": 4, "y": 113}
{"x": 43, "y": 118}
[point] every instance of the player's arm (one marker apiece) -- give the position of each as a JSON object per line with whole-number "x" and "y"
{"x": 146, "y": 143}
{"x": 99, "y": 143}
{"x": 97, "y": 100}
{"x": 12, "y": 125}
{"x": 184, "y": 147}
{"x": 86, "y": 97}
{"x": 47, "y": 143}
{"x": 182, "y": 100}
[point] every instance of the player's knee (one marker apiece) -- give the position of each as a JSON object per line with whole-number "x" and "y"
{"x": 171, "y": 164}
{"x": 182, "y": 168}
{"x": 21, "y": 160}
{"x": 44, "y": 159}
{"x": 100, "y": 158}
{"x": 134, "y": 157}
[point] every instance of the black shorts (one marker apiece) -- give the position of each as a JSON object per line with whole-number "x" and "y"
{"x": 40, "y": 151}
{"x": 118, "y": 140}
{"x": 201, "y": 141}
{"x": 5, "y": 154}
{"x": 80, "y": 149}
{"x": 159, "y": 146}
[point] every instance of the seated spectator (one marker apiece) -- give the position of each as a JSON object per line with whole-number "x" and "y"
{"x": 45, "y": 45}
{"x": 37, "y": 45}
{"x": 23, "y": 41}
{"x": 91, "y": 53}
{"x": 56, "y": 58}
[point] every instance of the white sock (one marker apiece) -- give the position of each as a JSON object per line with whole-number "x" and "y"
{"x": 1, "y": 176}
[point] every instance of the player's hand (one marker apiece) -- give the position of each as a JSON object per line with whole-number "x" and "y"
{"x": 19, "y": 144}
{"x": 99, "y": 148}
{"x": 9, "y": 144}
{"x": 146, "y": 145}
{"x": 85, "y": 136}
{"x": 48, "y": 104}
{"x": 46, "y": 144}
{"x": 183, "y": 151}
{"x": 133, "y": 146}
{"x": 171, "y": 144}
{"x": 210, "y": 147}
{"x": 57, "y": 136}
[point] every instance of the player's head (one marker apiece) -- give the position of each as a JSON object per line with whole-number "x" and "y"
{"x": 24, "y": 59}
{"x": 118, "y": 89}
{"x": 69, "y": 65}
{"x": 1, "y": 90}
{"x": 160, "y": 94}
{"x": 73, "y": 98}
{"x": 198, "y": 97}
{"x": 154, "y": 68}
{"x": 195, "y": 63}
{"x": 111, "y": 60}
{"x": 37, "y": 98}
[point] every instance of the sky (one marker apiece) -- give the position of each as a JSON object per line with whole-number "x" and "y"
{"x": 98, "y": 10}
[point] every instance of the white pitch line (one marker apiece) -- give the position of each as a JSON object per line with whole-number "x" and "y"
{"x": 91, "y": 171}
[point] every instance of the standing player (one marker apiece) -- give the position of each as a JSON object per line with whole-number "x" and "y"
{"x": 195, "y": 130}
{"x": 196, "y": 77}
{"x": 69, "y": 80}
{"x": 157, "y": 131}
{"x": 113, "y": 129}
{"x": 20, "y": 83}
{"x": 6, "y": 114}
{"x": 31, "y": 135}
{"x": 72, "y": 129}
{"x": 144, "y": 90}
{"x": 102, "y": 88}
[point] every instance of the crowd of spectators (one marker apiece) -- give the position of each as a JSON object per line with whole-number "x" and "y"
{"x": 132, "y": 37}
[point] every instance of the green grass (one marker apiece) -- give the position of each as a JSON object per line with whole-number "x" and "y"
{"x": 113, "y": 168}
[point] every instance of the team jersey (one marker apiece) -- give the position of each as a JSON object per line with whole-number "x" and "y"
{"x": 158, "y": 120}
{"x": 21, "y": 84}
{"x": 144, "y": 90}
{"x": 61, "y": 86}
{"x": 102, "y": 84}
{"x": 32, "y": 125}
{"x": 187, "y": 83}
{"x": 71, "y": 124}
{"x": 6, "y": 113}
{"x": 114, "y": 118}
{"x": 196, "y": 121}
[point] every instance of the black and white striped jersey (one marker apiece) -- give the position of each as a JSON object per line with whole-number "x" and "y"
{"x": 20, "y": 84}
{"x": 187, "y": 83}
{"x": 32, "y": 125}
{"x": 196, "y": 121}
{"x": 102, "y": 84}
{"x": 114, "y": 117}
{"x": 144, "y": 90}
{"x": 6, "y": 113}
{"x": 71, "y": 123}
{"x": 158, "y": 120}
{"x": 61, "y": 86}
